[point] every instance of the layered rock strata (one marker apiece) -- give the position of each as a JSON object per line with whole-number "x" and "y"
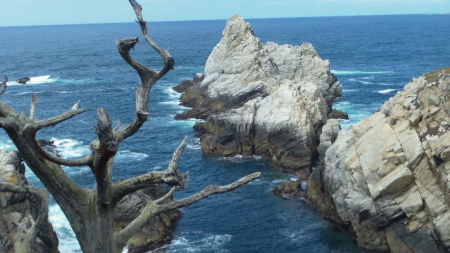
{"x": 270, "y": 100}
{"x": 388, "y": 177}
{"x": 24, "y": 225}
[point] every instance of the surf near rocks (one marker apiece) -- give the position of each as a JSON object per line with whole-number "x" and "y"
{"x": 269, "y": 100}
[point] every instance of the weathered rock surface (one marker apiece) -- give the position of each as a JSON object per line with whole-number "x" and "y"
{"x": 270, "y": 100}
{"x": 158, "y": 231}
{"x": 389, "y": 175}
{"x": 24, "y": 225}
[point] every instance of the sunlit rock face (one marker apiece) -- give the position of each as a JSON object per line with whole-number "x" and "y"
{"x": 270, "y": 100}
{"x": 388, "y": 176}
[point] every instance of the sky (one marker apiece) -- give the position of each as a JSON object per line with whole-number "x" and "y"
{"x": 51, "y": 12}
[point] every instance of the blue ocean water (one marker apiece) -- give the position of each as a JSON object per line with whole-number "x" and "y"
{"x": 372, "y": 56}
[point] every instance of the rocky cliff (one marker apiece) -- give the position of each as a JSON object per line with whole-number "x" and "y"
{"x": 388, "y": 177}
{"x": 270, "y": 100}
{"x": 24, "y": 225}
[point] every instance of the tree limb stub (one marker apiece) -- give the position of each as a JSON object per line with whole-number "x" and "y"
{"x": 4, "y": 85}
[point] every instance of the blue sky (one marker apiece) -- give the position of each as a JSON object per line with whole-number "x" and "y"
{"x": 49, "y": 12}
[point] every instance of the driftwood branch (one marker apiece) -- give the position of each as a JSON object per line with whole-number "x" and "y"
{"x": 151, "y": 209}
{"x": 4, "y": 85}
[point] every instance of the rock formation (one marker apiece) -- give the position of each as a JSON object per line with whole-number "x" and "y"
{"x": 24, "y": 224}
{"x": 388, "y": 176}
{"x": 270, "y": 100}
{"x": 158, "y": 231}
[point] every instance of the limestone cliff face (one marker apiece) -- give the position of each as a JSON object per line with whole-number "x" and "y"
{"x": 389, "y": 175}
{"x": 24, "y": 225}
{"x": 269, "y": 100}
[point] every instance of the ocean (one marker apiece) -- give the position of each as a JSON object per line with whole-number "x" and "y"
{"x": 372, "y": 56}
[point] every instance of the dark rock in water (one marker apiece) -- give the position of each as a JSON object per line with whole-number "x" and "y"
{"x": 21, "y": 213}
{"x": 23, "y": 80}
{"x": 336, "y": 114}
{"x": 183, "y": 86}
{"x": 290, "y": 190}
{"x": 48, "y": 146}
{"x": 158, "y": 231}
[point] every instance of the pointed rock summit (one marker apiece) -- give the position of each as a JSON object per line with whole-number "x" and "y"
{"x": 269, "y": 100}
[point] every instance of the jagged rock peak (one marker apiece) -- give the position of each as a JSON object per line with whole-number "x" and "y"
{"x": 269, "y": 100}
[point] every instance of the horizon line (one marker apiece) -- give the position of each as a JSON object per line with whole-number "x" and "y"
{"x": 220, "y": 19}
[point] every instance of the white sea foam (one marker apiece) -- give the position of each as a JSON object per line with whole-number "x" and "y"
{"x": 67, "y": 240}
{"x": 6, "y": 144}
{"x": 385, "y": 91}
{"x": 240, "y": 159}
{"x": 70, "y": 148}
{"x": 210, "y": 243}
{"x": 127, "y": 155}
{"x": 35, "y": 80}
{"x": 357, "y": 72}
{"x": 349, "y": 90}
{"x": 365, "y": 82}
{"x": 172, "y": 94}
{"x": 172, "y": 102}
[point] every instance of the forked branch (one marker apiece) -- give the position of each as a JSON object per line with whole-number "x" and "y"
{"x": 171, "y": 176}
{"x": 152, "y": 209}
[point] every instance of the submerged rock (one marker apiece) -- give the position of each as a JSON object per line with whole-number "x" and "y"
{"x": 269, "y": 100}
{"x": 23, "y": 210}
{"x": 388, "y": 176}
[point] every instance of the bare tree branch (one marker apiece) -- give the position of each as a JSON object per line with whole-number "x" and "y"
{"x": 85, "y": 161}
{"x": 167, "y": 195}
{"x": 4, "y": 85}
{"x": 170, "y": 176}
{"x": 151, "y": 209}
{"x": 107, "y": 150}
{"x": 169, "y": 62}
{"x": 148, "y": 77}
{"x": 36, "y": 126}
{"x": 33, "y": 107}
{"x": 127, "y": 186}
{"x": 209, "y": 190}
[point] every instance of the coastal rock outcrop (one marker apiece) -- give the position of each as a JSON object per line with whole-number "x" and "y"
{"x": 269, "y": 100}
{"x": 158, "y": 231}
{"x": 24, "y": 225}
{"x": 388, "y": 176}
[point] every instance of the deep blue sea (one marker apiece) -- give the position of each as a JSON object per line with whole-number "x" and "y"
{"x": 372, "y": 56}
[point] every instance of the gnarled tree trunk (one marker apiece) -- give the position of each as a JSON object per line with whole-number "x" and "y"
{"x": 91, "y": 212}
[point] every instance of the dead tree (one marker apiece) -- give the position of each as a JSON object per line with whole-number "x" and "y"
{"x": 91, "y": 212}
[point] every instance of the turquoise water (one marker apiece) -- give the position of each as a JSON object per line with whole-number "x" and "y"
{"x": 372, "y": 56}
